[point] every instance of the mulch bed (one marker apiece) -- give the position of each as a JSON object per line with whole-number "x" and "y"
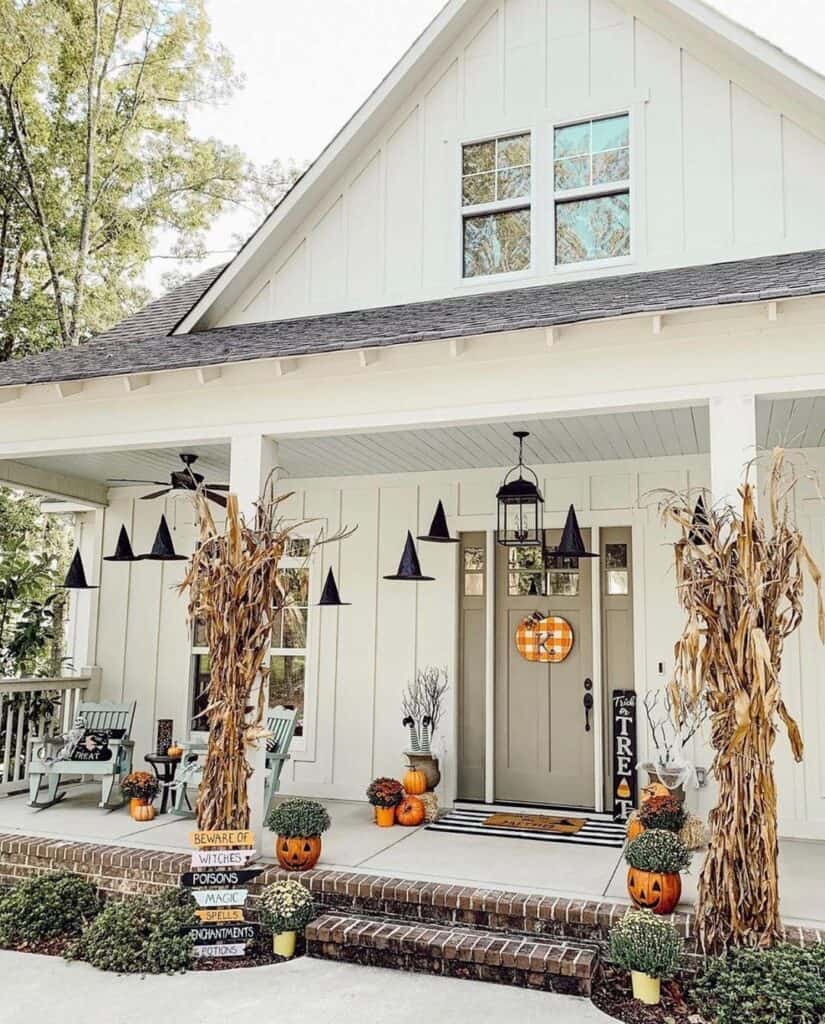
{"x": 46, "y": 947}
{"x": 612, "y": 993}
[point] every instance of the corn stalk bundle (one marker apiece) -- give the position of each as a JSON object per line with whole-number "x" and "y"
{"x": 740, "y": 581}
{"x": 234, "y": 590}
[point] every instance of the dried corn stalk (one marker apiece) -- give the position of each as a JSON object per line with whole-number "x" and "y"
{"x": 740, "y": 581}
{"x": 234, "y": 589}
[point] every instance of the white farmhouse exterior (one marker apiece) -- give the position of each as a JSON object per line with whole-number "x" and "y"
{"x": 597, "y": 221}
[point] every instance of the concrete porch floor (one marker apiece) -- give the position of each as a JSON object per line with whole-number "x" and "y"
{"x": 356, "y": 844}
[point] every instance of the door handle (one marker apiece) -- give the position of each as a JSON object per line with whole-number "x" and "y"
{"x": 588, "y": 707}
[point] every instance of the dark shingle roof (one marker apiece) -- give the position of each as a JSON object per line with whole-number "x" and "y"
{"x": 123, "y": 351}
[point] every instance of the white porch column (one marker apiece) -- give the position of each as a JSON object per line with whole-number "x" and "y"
{"x": 81, "y": 638}
{"x": 732, "y": 444}
{"x": 252, "y": 459}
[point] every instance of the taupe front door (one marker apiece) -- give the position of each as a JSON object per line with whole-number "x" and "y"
{"x": 543, "y": 751}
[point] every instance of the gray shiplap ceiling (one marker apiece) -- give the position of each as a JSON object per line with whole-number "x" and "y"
{"x": 627, "y": 435}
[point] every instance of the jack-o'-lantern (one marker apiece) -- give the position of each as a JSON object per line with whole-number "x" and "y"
{"x": 654, "y": 890}
{"x": 415, "y": 781}
{"x": 298, "y": 853}
{"x": 634, "y": 827}
{"x": 410, "y": 811}
{"x": 653, "y": 789}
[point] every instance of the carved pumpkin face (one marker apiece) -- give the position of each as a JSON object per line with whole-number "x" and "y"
{"x": 653, "y": 890}
{"x": 298, "y": 853}
{"x": 410, "y": 811}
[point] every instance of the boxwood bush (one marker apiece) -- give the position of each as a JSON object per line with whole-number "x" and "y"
{"x": 47, "y": 907}
{"x": 144, "y": 935}
{"x": 783, "y": 985}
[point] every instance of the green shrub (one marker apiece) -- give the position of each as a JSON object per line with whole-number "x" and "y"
{"x": 783, "y": 985}
{"x": 286, "y": 907}
{"x": 46, "y": 907}
{"x": 298, "y": 819}
{"x": 658, "y": 850}
{"x": 145, "y": 935}
{"x": 641, "y": 941}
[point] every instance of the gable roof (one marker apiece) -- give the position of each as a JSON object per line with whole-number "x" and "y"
{"x": 763, "y": 279}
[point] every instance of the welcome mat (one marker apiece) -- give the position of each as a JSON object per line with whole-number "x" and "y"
{"x": 536, "y": 823}
{"x": 595, "y": 830}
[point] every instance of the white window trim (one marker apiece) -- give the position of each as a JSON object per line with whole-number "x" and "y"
{"x": 595, "y": 192}
{"x": 499, "y": 206}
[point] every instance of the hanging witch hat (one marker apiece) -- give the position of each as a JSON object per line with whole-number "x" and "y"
{"x": 439, "y": 531}
{"x": 163, "y": 550}
{"x": 329, "y": 595}
{"x": 123, "y": 549}
{"x": 76, "y": 576}
{"x": 699, "y": 532}
{"x": 409, "y": 568}
{"x": 571, "y": 544}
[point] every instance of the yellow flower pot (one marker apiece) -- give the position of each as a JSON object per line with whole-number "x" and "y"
{"x": 283, "y": 943}
{"x": 646, "y": 989}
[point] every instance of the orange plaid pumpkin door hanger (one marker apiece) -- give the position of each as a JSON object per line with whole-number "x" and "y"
{"x": 544, "y": 638}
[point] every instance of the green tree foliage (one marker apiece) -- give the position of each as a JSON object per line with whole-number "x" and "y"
{"x": 97, "y": 157}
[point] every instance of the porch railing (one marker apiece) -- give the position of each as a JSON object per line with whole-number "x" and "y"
{"x": 36, "y": 707}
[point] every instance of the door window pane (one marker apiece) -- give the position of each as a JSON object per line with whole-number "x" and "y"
{"x": 286, "y": 685}
{"x": 497, "y": 242}
{"x": 592, "y": 229}
{"x": 200, "y": 693}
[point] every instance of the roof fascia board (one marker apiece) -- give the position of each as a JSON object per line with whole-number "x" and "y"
{"x": 314, "y": 183}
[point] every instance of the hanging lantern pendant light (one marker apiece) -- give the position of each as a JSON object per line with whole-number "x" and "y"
{"x": 520, "y": 504}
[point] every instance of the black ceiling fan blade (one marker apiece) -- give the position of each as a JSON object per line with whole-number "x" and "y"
{"x": 155, "y": 494}
{"x": 217, "y": 498}
{"x": 120, "y": 480}
{"x": 218, "y": 487}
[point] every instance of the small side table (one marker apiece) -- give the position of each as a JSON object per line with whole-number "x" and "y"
{"x": 165, "y": 769}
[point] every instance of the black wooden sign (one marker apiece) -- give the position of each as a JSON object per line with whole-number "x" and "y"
{"x": 221, "y": 934}
{"x": 625, "y": 784}
{"x": 198, "y": 879}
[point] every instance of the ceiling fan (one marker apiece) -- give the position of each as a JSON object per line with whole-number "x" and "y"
{"x": 185, "y": 479}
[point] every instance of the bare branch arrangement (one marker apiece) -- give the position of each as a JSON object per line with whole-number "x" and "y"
{"x": 672, "y": 731}
{"x": 422, "y": 705}
{"x": 740, "y": 581}
{"x": 233, "y": 585}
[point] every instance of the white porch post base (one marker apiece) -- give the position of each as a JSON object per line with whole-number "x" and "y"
{"x": 732, "y": 445}
{"x": 252, "y": 458}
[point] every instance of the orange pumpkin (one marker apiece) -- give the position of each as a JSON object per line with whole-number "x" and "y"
{"x": 298, "y": 853}
{"x": 415, "y": 781}
{"x": 654, "y": 789}
{"x": 141, "y": 810}
{"x": 654, "y": 890}
{"x": 410, "y": 811}
{"x": 174, "y": 751}
{"x": 634, "y": 828}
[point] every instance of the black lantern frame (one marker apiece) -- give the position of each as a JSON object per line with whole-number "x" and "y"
{"x": 520, "y": 504}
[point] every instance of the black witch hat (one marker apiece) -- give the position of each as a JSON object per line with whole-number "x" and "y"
{"x": 439, "y": 531}
{"x": 409, "y": 568}
{"x": 123, "y": 549}
{"x": 330, "y": 596}
{"x": 700, "y": 524}
{"x": 571, "y": 544}
{"x": 163, "y": 550}
{"x": 76, "y": 576}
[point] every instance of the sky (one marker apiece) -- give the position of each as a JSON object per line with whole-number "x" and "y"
{"x": 308, "y": 66}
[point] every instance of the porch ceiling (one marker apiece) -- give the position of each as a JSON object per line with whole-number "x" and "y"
{"x": 629, "y": 435}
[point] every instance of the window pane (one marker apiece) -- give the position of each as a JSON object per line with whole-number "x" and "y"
{"x": 615, "y": 556}
{"x": 592, "y": 229}
{"x": 478, "y": 188}
{"x": 297, "y": 547}
{"x": 200, "y": 692}
{"x": 473, "y": 584}
{"x": 617, "y": 581}
{"x": 514, "y": 151}
{"x": 286, "y": 685}
{"x": 199, "y": 634}
{"x": 525, "y": 558}
{"x": 294, "y": 627}
{"x": 480, "y": 156}
{"x": 574, "y": 172}
{"x": 514, "y": 184}
{"x": 520, "y": 584}
{"x": 293, "y": 585}
{"x": 562, "y": 584}
{"x": 496, "y": 243}
{"x": 610, "y": 133}
{"x": 611, "y": 166}
{"x": 574, "y": 140}
{"x": 474, "y": 559}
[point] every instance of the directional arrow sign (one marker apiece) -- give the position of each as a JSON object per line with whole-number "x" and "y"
{"x": 218, "y": 914}
{"x": 221, "y": 858}
{"x": 233, "y": 949}
{"x": 195, "y": 879}
{"x": 214, "y": 934}
{"x": 222, "y": 837}
{"x": 221, "y": 897}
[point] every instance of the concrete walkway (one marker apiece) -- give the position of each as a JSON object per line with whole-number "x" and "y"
{"x": 47, "y": 988}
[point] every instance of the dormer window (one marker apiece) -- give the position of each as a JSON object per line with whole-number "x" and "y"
{"x": 591, "y": 178}
{"x": 495, "y": 200}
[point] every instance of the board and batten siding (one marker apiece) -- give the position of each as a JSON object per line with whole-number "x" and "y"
{"x": 361, "y": 657}
{"x": 724, "y": 165}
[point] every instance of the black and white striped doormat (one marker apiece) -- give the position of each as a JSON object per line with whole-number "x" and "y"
{"x": 598, "y": 830}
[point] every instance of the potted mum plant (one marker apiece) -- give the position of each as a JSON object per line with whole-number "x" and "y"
{"x": 665, "y": 812}
{"x": 285, "y": 908}
{"x": 299, "y": 825}
{"x": 141, "y": 788}
{"x": 385, "y": 795}
{"x": 649, "y": 948}
{"x": 656, "y": 859}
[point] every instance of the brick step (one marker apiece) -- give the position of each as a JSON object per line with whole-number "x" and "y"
{"x": 472, "y": 953}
